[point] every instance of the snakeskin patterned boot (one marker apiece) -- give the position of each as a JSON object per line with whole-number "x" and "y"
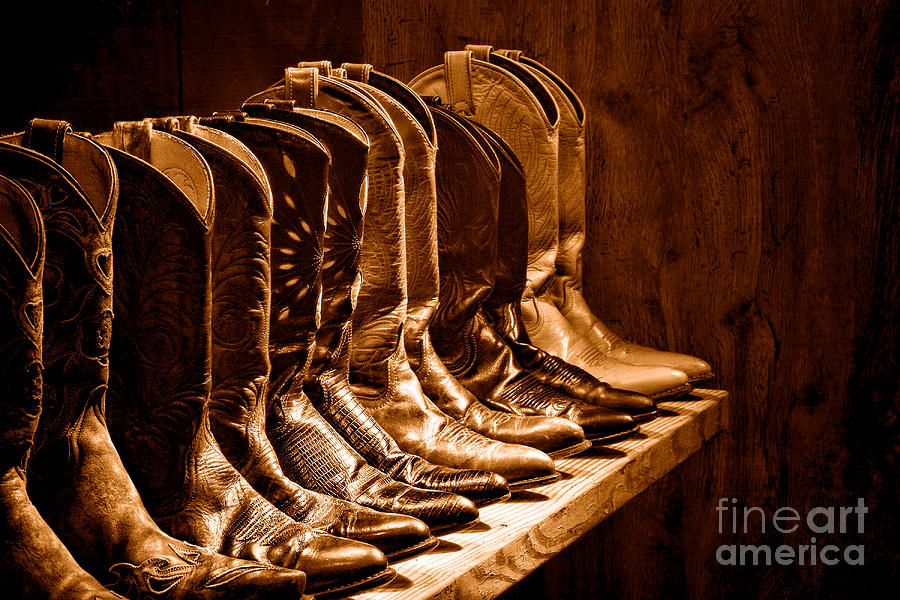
{"x": 161, "y": 358}
{"x": 500, "y": 95}
{"x": 309, "y": 450}
{"x": 76, "y": 477}
{"x": 467, "y": 235}
{"x": 240, "y": 359}
{"x": 36, "y": 564}
{"x": 566, "y": 289}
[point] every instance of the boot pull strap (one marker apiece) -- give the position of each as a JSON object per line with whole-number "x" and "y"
{"x": 47, "y": 136}
{"x": 358, "y": 71}
{"x": 458, "y": 77}
{"x": 324, "y": 66}
{"x": 301, "y": 84}
{"x": 480, "y": 51}
{"x": 510, "y": 54}
{"x": 133, "y": 137}
{"x": 170, "y": 124}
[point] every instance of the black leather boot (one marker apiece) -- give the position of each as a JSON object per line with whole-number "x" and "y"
{"x": 161, "y": 358}
{"x": 76, "y": 477}
{"x": 240, "y": 360}
{"x": 36, "y": 564}
{"x": 473, "y": 351}
{"x": 309, "y": 450}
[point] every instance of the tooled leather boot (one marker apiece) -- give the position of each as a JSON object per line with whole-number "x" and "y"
{"x": 309, "y": 450}
{"x": 566, "y": 289}
{"x": 520, "y": 465}
{"x": 36, "y": 564}
{"x": 76, "y": 477}
{"x": 327, "y": 381}
{"x": 240, "y": 357}
{"x": 501, "y": 95}
{"x": 469, "y": 185}
{"x": 403, "y": 419}
{"x": 160, "y": 360}
{"x": 551, "y": 434}
{"x": 448, "y": 394}
{"x": 502, "y": 306}
{"x": 380, "y": 376}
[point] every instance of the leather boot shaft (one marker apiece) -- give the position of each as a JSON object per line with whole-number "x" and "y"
{"x": 21, "y": 311}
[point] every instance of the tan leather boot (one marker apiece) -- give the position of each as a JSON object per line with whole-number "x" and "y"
{"x": 76, "y": 477}
{"x": 502, "y": 96}
{"x": 36, "y": 563}
{"x": 566, "y": 289}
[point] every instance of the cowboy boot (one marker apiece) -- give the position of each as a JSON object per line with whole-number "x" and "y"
{"x": 327, "y": 380}
{"x": 469, "y": 184}
{"x": 76, "y": 477}
{"x": 566, "y": 291}
{"x": 240, "y": 358}
{"x": 502, "y": 96}
{"x": 503, "y": 305}
{"x": 414, "y": 418}
{"x": 36, "y": 563}
{"x": 448, "y": 394}
{"x": 161, "y": 357}
{"x": 309, "y": 450}
{"x": 418, "y": 427}
{"x": 341, "y": 406}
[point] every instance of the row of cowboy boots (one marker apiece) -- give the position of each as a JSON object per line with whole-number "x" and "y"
{"x": 322, "y": 350}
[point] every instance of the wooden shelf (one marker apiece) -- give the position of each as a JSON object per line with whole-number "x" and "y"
{"x": 515, "y": 537}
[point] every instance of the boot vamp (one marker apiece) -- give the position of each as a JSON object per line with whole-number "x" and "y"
{"x": 315, "y": 456}
{"x": 543, "y": 433}
{"x": 597, "y": 334}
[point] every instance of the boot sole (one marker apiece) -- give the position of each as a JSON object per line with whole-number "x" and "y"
{"x": 615, "y": 437}
{"x": 533, "y": 482}
{"x": 453, "y": 528}
{"x": 644, "y": 417}
{"x": 672, "y": 394}
{"x": 489, "y": 501}
{"x": 702, "y": 378}
{"x": 569, "y": 450}
{"x": 357, "y": 586}
{"x": 415, "y": 550}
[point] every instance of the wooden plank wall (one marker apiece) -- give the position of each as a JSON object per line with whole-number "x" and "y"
{"x": 742, "y": 206}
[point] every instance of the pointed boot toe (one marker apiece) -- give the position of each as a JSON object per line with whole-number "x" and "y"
{"x": 334, "y": 564}
{"x": 602, "y": 425}
{"x": 442, "y": 511}
{"x": 481, "y": 487}
{"x": 641, "y": 408}
{"x": 397, "y": 536}
{"x": 524, "y": 467}
{"x": 654, "y": 381}
{"x": 250, "y": 581}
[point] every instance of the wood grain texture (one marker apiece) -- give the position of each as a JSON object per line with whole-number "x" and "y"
{"x": 88, "y": 63}
{"x": 234, "y": 49}
{"x": 515, "y": 537}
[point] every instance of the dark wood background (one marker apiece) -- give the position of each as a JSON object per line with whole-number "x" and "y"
{"x": 742, "y": 207}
